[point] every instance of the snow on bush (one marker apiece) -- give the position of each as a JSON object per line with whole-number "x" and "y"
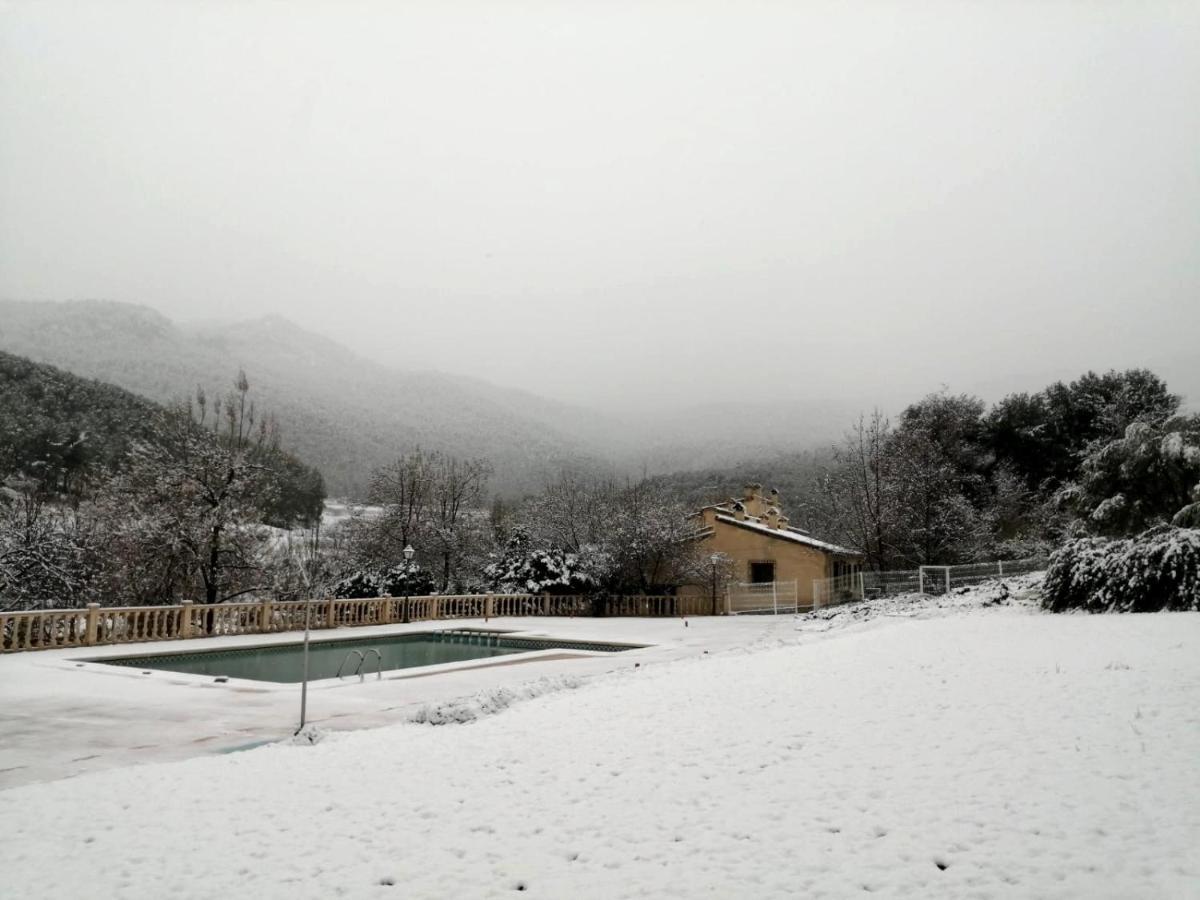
{"x": 523, "y": 568}
{"x": 405, "y": 579}
{"x": 490, "y": 702}
{"x": 308, "y": 735}
{"x": 1159, "y": 569}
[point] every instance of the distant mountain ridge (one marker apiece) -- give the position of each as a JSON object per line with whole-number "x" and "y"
{"x": 347, "y": 415}
{"x": 339, "y": 412}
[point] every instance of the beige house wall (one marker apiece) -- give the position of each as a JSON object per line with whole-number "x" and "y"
{"x": 743, "y": 546}
{"x": 793, "y": 560}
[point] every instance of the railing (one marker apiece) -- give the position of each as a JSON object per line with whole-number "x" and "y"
{"x": 764, "y": 596}
{"x": 839, "y": 589}
{"x": 944, "y": 579}
{"x": 94, "y": 626}
{"x": 925, "y": 580}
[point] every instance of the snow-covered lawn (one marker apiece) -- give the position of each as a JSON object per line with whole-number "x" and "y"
{"x": 977, "y": 751}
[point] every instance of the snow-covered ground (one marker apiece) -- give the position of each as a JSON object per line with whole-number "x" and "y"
{"x": 964, "y": 747}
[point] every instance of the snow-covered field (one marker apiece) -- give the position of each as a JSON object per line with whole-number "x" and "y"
{"x": 952, "y": 748}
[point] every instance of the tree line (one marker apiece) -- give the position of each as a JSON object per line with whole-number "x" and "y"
{"x": 954, "y": 481}
{"x": 581, "y": 533}
{"x": 107, "y": 497}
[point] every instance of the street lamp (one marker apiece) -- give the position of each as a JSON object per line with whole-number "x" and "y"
{"x": 409, "y": 552}
{"x": 715, "y": 559}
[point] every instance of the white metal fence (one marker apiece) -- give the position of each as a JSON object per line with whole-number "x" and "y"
{"x": 944, "y": 579}
{"x": 764, "y": 597}
{"x": 840, "y": 589}
{"x": 924, "y": 580}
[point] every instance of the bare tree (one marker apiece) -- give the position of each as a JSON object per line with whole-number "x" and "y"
{"x": 858, "y": 499}
{"x": 197, "y": 490}
{"x": 456, "y": 491}
{"x": 404, "y": 490}
{"x": 572, "y": 512}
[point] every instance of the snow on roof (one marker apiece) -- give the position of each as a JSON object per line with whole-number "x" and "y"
{"x": 787, "y": 534}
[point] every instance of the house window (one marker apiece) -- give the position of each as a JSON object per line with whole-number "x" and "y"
{"x": 762, "y": 572}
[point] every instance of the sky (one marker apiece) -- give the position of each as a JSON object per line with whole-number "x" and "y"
{"x": 627, "y": 205}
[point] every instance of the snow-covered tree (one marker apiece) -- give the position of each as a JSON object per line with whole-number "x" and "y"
{"x": 405, "y": 579}
{"x": 523, "y": 567}
{"x": 193, "y": 492}
{"x": 48, "y": 553}
{"x": 648, "y": 542}
{"x": 858, "y": 502}
{"x": 1158, "y": 569}
{"x": 430, "y": 501}
{"x": 1150, "y": 475}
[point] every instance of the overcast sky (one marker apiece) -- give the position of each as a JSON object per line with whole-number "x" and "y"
{"x": 635, "y": 203}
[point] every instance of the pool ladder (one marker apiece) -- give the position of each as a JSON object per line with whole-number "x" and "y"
{"x": 362, "y": 662}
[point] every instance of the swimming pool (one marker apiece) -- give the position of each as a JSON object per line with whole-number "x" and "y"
{"x": 284, "y": 663}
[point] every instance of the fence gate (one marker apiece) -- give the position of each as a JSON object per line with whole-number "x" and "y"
{"x": 838, "y": 589}
{"x": 764, "y": 597}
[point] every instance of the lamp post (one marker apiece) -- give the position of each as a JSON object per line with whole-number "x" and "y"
{"x": 715, "y": 559}
{"x": 409, "y": 552}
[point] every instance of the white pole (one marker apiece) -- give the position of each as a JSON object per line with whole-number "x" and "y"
{"x": 862, "y": 594}
{"x": 1001, "y": 565}
{"x": 774, "y": 598}
{"x": 921, "y": 577}
{"x": 947, "y": 579}
{"x": 304, "y": 683}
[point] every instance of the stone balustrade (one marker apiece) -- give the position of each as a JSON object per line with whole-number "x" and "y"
{"x": 97, "y": 625}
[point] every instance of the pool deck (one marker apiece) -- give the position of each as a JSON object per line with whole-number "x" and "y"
{"x": 59, "y": 718}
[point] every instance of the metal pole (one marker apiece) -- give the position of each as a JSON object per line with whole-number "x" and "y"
{"x": 947, "y": 579}
{"x": 304, "y": 681}
{"x": 714, "y": 589}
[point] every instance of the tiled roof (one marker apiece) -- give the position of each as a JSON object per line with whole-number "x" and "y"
{"x": 787, "y": 534}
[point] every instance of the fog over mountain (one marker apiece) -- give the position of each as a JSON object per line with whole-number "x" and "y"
{"x": 348, "y": 415}
{"x": 629, "y": 207}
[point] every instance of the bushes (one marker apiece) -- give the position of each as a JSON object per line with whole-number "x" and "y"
{"x": 1157, "y": 570}
{"x": 405, "y": 579}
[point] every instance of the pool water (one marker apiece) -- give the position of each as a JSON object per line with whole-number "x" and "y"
{"x": 284, "y": 663}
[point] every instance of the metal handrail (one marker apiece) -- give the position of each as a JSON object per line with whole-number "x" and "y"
{"x": 378, "y": 664}
{"x": 362, "y": 661}
{"x": 357, "y": 653}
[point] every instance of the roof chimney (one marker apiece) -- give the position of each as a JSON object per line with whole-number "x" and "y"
{"x": 754, "y": 500}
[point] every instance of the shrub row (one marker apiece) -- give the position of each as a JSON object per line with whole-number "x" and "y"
{"x": 1159, "y": 569}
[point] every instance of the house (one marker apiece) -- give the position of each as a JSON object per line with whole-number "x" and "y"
{"x": 772, "y": 561}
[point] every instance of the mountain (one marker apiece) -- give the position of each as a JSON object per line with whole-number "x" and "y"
{"x": 337, "y": 411}
{"x": 348, "y": 415}
{"x": 61, "y": 428}
{"x": 70, "y": 433}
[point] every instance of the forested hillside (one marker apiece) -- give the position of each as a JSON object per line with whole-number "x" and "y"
{"x": 108, "y": 497}
{"x": 72, "y": 436}
{"x": 63, "y": 427}
{"x": 343, "y": 414}
{"x": 348, "y": 416}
